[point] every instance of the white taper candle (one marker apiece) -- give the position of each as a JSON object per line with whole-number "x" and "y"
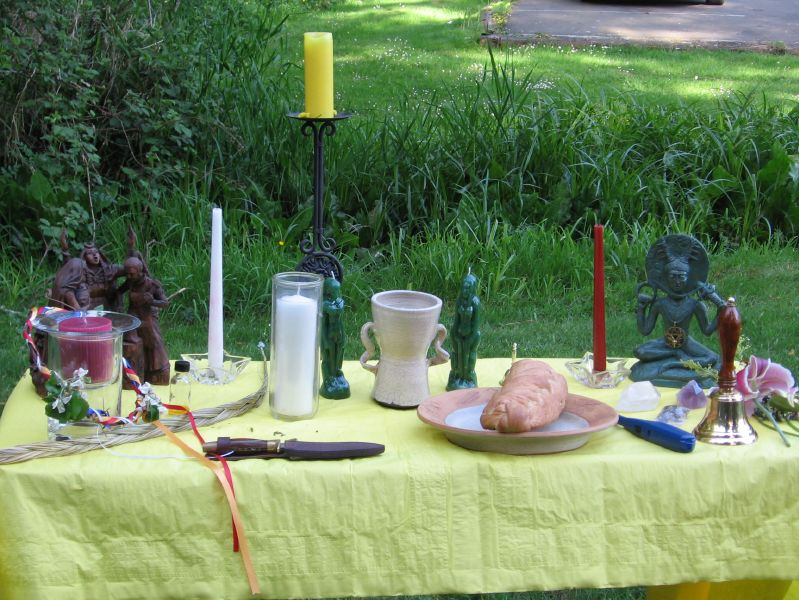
{"x": 215, "y": 316}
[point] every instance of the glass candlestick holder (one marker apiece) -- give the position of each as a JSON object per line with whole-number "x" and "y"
{"x": 294, "y": 350}
{"x": 583, "y": 371}
{"x": 203, "y": 373}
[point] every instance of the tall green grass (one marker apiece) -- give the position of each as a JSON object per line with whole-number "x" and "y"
{"x": 535, "y": 281}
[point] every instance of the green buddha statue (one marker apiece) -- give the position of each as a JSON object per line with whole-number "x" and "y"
{"x": 334, "y": 385}
{"x": 677, "y": 269}
{"x": 465, "y": 336}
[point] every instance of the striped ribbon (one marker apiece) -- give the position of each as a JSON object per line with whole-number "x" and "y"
{"x": 27, "y": 331}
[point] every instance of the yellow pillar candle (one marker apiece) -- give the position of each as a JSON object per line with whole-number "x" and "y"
{"x": 319, "y": 75}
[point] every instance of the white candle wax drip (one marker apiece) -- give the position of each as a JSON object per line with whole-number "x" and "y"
{"x": 215, "y": 327}
{"x": 295, "y": 356}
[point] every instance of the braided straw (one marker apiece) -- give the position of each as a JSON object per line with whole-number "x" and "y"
{"x": 133, "y": 433}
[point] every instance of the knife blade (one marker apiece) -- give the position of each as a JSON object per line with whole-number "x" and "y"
{"x": 240, "y": 448}
{"x": 662, "y": 434}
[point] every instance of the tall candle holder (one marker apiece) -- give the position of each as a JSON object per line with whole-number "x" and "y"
{"x": 319, "y": 249}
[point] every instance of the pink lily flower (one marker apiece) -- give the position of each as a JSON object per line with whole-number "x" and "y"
{"x": 760, "y": 378}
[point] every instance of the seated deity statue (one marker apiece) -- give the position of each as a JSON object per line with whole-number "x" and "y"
{"x": 677, "y": 269}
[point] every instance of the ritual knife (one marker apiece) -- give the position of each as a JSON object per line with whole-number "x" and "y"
{"x": 662, "y": 434}
{"x": 241, "y": 448}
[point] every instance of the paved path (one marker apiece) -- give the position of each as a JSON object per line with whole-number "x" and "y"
{"x": 763, "y": 24}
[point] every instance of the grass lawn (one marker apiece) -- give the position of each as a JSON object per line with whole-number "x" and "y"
{"x": 384, "y": 48}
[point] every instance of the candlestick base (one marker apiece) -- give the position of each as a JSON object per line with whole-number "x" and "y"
{"x": 203, "y": 373}
{"x": 583, "y": 371}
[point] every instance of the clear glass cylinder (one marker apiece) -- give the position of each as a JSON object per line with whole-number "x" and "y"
{"x": 294, "y": 348}
{"x": 99, "y": 353}
{"x": 89, "y": 340}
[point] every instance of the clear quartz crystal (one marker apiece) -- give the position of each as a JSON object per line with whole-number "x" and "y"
{"x": 638, "y": 397}
{"x": 673, "y": 414}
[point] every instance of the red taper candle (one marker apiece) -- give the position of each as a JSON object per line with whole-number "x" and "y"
{"x": 600, "y": 350}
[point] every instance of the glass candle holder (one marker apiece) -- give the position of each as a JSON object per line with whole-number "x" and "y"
{"x": 294, "y": 348}
{"x": 90, "y": 340}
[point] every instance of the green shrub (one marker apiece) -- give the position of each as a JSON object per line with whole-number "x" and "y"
{"x": 112, "y": 110}
{"x": 102, "y": 99}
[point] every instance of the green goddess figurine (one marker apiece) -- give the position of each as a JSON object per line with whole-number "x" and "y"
{"x": 677, "y": 269}
{"x": 334, "y": 385}
{"x": 465, "y": 335}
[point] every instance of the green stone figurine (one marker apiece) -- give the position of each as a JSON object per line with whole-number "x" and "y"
{"x": 465, "y": 335}
{"x": 334, "y": 384}
{"x": 677, "y": 269}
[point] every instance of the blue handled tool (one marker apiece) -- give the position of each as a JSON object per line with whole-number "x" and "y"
{"x": 662, "y": 434}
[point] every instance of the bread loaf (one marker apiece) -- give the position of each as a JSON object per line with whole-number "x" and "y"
{"x": 533, "y": 395}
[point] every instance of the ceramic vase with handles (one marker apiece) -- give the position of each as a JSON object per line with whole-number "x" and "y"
{"x": 404, "y": 323}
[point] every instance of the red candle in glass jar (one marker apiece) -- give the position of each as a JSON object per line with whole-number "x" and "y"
{"x": 91, "y": 350}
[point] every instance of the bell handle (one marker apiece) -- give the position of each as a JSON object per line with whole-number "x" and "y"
{"x": 729, "y": 326}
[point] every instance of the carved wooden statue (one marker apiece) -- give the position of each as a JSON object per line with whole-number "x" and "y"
{"x": 88, "y": 282}
{"x": 144, "y": 347}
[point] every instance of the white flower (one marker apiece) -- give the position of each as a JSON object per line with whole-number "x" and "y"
{"x": 59, "y": 404}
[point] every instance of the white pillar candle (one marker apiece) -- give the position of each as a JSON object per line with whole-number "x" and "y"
{"x": 295, "y": 356}
{"x": 215, "y": 328}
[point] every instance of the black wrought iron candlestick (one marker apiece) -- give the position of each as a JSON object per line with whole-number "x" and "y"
{"x": 318, "y": 250}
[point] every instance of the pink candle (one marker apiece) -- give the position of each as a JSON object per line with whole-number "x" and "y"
{"x": 92, "y": 350}
{"x": 600, "y": 351}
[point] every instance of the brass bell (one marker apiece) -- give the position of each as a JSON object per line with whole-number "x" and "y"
{"x": 725, "y": 422}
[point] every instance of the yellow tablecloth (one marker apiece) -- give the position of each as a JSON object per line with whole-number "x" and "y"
{"x": 425, "y": 517}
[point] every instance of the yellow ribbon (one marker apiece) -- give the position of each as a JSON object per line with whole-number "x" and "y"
{"x": 231, "y": 500}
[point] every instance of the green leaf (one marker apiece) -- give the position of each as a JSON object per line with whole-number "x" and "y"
{"x": 39, "y": 187}
{"x": 77, "y": 408}
{"x": 777, "y": 168}
{"x": 52, "y": 389}
{"x": 782, "y": 404}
